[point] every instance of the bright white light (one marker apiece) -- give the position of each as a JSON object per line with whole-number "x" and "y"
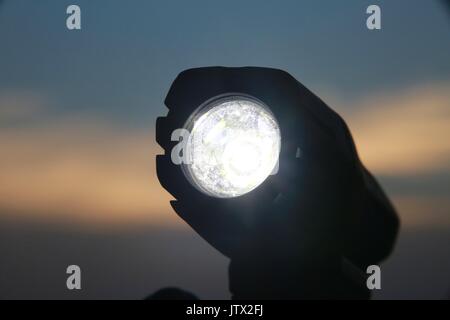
{"x": 233, "y": 147}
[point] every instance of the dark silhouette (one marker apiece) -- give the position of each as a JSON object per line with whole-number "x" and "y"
{"x": 308, "y": 232}
{"x": 446, "y": 3}
{"x": 171, "y": 294}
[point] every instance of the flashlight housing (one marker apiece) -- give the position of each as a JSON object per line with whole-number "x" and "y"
{"x": 322, "y": 203}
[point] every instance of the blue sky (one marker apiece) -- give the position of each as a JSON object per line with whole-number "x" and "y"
{"x": 122, "y": 62}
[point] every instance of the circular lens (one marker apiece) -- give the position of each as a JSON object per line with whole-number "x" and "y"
{"x": 233, "y": 146}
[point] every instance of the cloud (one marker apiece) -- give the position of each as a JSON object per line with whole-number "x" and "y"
{"x": 423, "y": 212}
{"x": 404, "y": 139}
{"x": 82, "y": 171}
{"x": 19, "y": 106}
{"x": 404, "y": 133}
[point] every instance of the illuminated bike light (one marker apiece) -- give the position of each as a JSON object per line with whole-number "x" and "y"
{"x": 233, "y": 146}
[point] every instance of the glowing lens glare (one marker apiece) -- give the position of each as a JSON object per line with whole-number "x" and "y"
{"x": 233, "y": 146}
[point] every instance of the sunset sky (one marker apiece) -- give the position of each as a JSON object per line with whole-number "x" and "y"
{"x": 78, "y": 108}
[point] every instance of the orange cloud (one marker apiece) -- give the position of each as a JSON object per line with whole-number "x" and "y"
{"x": 82, "y": 172}
{"x": 420, "y": 212}
{"x": 98, "y": 173}
{"x": 406, "y": 133}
